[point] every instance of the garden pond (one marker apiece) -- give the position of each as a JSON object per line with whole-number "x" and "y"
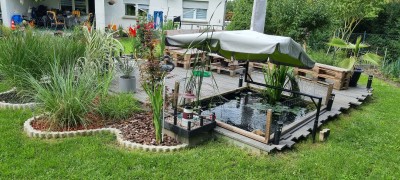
{"x": 247, "y": 110}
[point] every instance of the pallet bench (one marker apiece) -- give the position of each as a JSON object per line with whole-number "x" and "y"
{"x": 338, "y": 76}
{"x": 231, "y": 69}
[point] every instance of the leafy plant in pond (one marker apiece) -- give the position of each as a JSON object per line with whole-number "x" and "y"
{"x": 355, "y": 58}
{"x": 69, "y": 93}
{"x": 118, "y": 107}
{"x": 278, "y": 76}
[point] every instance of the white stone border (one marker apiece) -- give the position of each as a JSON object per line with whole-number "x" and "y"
{"x": 31, "y": 132}
{"x": 4, "y": 105}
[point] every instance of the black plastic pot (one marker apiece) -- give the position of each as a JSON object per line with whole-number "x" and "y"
{"x": 355, "y": 77}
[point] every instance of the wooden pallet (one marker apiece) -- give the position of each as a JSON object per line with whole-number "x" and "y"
{"x": 232, "y": 70}
{"x": 184, "y": 58}
{"x": 338, "y": 76}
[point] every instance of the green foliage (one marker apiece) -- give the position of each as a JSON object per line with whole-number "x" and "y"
{"x": 30, "y": 53}
{"x": 5, "y": 31}
{"x": 320, "y": 56}
{"x": 68, "y": 94}
{"x": 126, "y": 66}
{"x": 118, "y": 107}
{"x": 391, "y": 69}
{"x": 155, "y": 92}
{"x": 297, "y": 19}
{"x": 242, "y": 15}
{"x": 355, "y": 58}
{"x": 278, "y": 76}
{"x": 101, "y": 46}
{"x": 349, "y": 13}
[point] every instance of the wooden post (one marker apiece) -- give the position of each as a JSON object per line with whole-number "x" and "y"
{"x": 328, "y": 93}
{"x": 268, "y": 125}
{"x": 176, "y": 94}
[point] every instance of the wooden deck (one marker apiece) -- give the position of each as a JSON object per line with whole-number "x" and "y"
{"x": 344, "y": 99}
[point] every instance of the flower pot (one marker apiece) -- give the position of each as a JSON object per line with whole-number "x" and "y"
{"x": 355, "y": 77}
{"x": 127, "y": 84}
{"x": 111, "y": 2}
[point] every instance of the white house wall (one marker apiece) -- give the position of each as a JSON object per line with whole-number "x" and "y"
{"x": 115, "y": 14}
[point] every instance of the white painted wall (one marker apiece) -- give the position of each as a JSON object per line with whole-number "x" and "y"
{"x": 115, "y": 14}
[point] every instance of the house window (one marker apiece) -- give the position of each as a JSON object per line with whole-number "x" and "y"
{"x": 80, "y": 5}
{"x": 66, "y": 5}
{"x": 143, "y": 9}
{"x": 130, "y": 9}
{"x": 195, "y": 10}
{"x": 71, "y": 5}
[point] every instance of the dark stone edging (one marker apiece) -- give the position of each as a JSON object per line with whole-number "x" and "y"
{"x": 127, "y": 144}
{"x": 4, "y": 105}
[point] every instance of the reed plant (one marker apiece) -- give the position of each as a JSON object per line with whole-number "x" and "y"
{"x": 280, "y": 77}
{"x": 68, "y": 94}
{"x": 30, "y": 53}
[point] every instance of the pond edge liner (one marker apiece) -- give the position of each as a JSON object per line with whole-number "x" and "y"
{"x": 33, "y": 133}
{"x": 5, "y": 105}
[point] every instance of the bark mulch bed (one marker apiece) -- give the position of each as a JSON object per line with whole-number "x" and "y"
{"x": 138, "y": 128}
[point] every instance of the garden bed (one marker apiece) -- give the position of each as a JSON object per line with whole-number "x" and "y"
{"x": 137, "y": 129}
{"x": 11, "y": 99}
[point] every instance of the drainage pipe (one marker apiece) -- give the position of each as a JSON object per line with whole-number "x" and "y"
{"x": 241, "y": 131}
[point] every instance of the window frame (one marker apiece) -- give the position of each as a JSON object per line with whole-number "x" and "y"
{"x": 74, "y": 6}
{"x": 194, "y": 14}
{"x": 130, "y": 4}
{"x": 137, "y": 10}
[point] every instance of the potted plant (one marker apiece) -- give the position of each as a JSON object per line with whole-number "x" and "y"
{"x": 127, "y": 82}
{"x": 356, "y": 58}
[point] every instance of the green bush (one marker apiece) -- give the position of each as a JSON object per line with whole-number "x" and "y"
{"x": 31, "y": 53}
{"x": 391, "y": 69}
{"x": 68, "y": 94}
{"x": 118, "y": 107}
{"x": 320, "y": 56}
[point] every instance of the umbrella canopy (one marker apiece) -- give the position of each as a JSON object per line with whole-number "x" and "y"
{"x": 246, "y": 45}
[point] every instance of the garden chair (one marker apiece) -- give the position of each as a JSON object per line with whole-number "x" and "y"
{"x": 54, "y": 20}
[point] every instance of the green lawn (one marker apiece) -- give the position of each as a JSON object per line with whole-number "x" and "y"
{"x": 365, "y": 143}
{"x": 127, "y": 42}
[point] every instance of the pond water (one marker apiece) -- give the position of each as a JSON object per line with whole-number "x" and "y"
{"x": 247, "y": 110}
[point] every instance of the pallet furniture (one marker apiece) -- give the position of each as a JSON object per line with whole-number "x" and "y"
{"x": 338, "y": 76}
{"x": 256, "y": 65}
{"x": 231, "y": 69}
{"x": 184, "y": 57}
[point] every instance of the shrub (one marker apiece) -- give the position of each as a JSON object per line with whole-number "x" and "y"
{"x": 118, "y": 107}
{"x": 69, "y": 93}
{"x": 32, "y": 52}
{"x": 320, "y": 56}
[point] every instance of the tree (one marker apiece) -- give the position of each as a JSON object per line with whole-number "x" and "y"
{"x": 349, "y": 13}
{"x": 242, "y": 15}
